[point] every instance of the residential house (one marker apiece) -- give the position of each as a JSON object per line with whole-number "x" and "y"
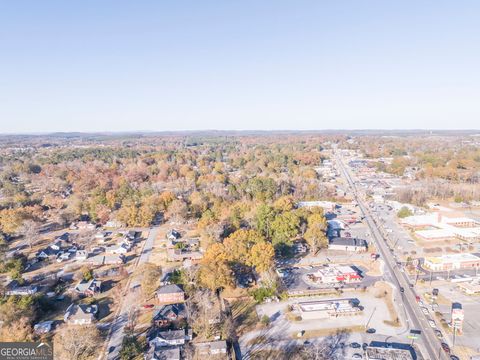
{"x": 113, "y": 259}
{"x": 170, "y": 294}
{"x": 81, "y": 255}
{"x": 160, "y": 338}
{"x": 215, "y": 348}
{"x": 134, "y": 235}
{"x": 43, "y": 327}
{"x": 168, "y": 314}
{"x": 113, "y": 224}
{"x": 118, "y": 249}
{"x": 182, "y": 254}
{"x": 64, "y": 256}
{"x": 57, "y": 245}
{"x": 47, "y": 253}
{"x": 72, "y": 249}
{"x": 103, "y": 235}
{"x": 85, "y": 225}
{"x": 99, "y": 260}
{"x": 163, "y": 353}
{"x": 81, "y": 314}
{"x": 64, "y": 237}
{"x": 14, "y": 288}
{"x": 173, "y": 235}
{"x": 89, "y": 287}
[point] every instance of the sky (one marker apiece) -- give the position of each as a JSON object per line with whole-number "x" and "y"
{"x": 238, "y": 65}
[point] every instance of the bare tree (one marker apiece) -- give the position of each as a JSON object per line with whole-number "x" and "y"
{"x": 327, "y": 349}
{"x": 30, "y": 232}
{"x": 76, "y": 342}
{"x": 204, "y": 312}
{"x": 150, "y": 274}
{"x": 84, "y": 238}
{"x": 131, "y": 321}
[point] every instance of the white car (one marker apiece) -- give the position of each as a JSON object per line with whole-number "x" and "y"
{"x": 425, "y": 310}
{"x": 432, "y": 324}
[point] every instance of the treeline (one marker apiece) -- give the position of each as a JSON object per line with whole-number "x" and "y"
{"x": 131, "y": 185}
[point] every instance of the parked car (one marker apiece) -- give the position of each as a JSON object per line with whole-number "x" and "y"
{"x": 148, "y": 306}
{"x": 355, "y": 345}
{"x": 446, "y": 348}
{"x": 438, "y": 333}
{"x": 371, "y": 331}
{"x": 357, "y": 356}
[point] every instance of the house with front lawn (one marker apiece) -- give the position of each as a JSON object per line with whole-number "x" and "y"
{"x": 81, "y": 314}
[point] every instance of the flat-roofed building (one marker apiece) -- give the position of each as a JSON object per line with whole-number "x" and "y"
{"x": 348, "y": 244}
{"x": 335, "y": 274}
{"x": 436, "y": 234}
{"x": 468, "y": 234}
{"x": 388, "y": 353}
{"x": 470, "y": 288}
{"x": 326, "y": 205}
{"x": 452, "y": 262}
{"x": 328, "y": 308}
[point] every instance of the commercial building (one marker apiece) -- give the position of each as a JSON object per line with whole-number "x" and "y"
{"x": 436, "y": 227}
{"x": 348, "y": 244}
{"x": 326, "y": 205}
{"x": 470, "y": 288}
{"x": 452, "y": 262}
{"x": 389, "y": 352}
{"x": 333, "y": 274}
{"x": 328, "y": 308}
{"x": 436, "y": 234}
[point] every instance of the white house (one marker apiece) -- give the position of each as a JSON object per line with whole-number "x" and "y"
{"x": 168, "y": 338}
{"x": 81, "y": 314}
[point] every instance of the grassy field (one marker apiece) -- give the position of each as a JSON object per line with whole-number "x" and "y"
{"x": 384, "y": 290}
{"x": 309, "y": 334}
{"x": 244, "y": 315}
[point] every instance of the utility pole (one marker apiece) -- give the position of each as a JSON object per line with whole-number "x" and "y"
{"x": 370, "y": 318}
{"x": 454, "y": 334}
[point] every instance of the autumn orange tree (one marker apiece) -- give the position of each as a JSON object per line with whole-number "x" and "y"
{"x": 316, "y": 232}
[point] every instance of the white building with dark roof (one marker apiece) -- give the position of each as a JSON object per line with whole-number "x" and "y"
{"x": 348, "y": 244}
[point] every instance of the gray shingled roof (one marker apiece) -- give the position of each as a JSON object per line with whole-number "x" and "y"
{"x": 170, "y": 289}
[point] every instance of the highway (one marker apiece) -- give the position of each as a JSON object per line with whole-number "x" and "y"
{"x": 415, "y": 317}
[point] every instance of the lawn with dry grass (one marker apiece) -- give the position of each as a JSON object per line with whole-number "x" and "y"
{"x": 384, "y": 290}
{"x": 244, "y": 315}
{"x": 317, "y": 333}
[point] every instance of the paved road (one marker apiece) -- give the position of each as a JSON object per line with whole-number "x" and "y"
{"x": 415, "y": 317}
{"x": 116, "y": 334}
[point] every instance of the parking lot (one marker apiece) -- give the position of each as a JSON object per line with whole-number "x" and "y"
{"x": 374, "y": 313}
{"x": 295, "y": 279}
{"x": 448, "y": 293}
